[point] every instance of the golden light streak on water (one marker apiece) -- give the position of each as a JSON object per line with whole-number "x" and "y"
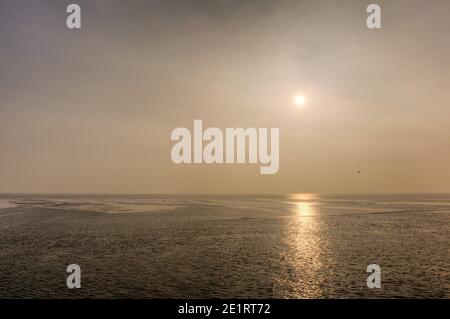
{"x": 305, "y": 244}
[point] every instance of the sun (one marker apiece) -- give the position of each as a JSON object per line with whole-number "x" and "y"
{"x": 299, "y": 100}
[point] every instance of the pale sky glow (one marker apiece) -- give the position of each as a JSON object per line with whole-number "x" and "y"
{"x": 92, "y": 110}
{"x": 300, "y": 100}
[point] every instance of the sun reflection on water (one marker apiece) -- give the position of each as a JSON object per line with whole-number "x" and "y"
{"x": 305, "y": 243}
{"x": 304, "y": 209}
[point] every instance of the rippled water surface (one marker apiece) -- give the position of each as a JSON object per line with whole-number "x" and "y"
{"x": 284, "y": 246}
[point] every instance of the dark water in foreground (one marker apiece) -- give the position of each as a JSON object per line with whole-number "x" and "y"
{"x": 292, "y": 246}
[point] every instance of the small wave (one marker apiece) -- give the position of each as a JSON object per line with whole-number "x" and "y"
{"x": 109, "y": 208}
{"x": 6, "y": 204}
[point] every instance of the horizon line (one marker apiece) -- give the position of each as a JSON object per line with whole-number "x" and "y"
{"x": 260, "y": 194}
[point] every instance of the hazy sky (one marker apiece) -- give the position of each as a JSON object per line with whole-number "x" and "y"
{"x": 92, "y": 110}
